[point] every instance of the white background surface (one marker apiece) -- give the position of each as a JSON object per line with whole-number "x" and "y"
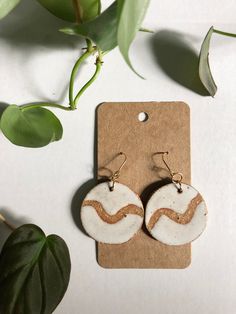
{"x": 38, "y": 185}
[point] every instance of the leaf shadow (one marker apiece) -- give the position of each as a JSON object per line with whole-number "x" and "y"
{"x": 83, "y": 190}
{"x": 32, "y": 25}
{"x": 13, "y": 220}
{"x": 177, "y": 58}
{"x": 30, "y": 30}
{"x": 77, "y": 201}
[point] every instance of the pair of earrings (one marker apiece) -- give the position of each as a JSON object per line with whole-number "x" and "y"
{"x": 175, "y": 214}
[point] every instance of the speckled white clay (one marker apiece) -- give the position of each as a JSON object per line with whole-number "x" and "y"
{"x": 112, "y": 202}
{"x": 167, "y": 230}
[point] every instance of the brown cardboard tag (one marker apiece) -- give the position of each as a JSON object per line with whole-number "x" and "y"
{"x": 166, "y": 129}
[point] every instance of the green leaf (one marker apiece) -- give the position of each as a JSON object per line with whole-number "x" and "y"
{"x": 204, "y": 67}
{"x": 73, "y": 10}
{"x": 35, "y": 272}
{"x": 63, "y": 9}
{"x": 117, "y": 25}
{"x": 131, "y": 15}
{"x": 6, "y": 6}
{"x": 88, "y": 9}
{"x": 102, "y": 30}
{"x": 30, "y": 126}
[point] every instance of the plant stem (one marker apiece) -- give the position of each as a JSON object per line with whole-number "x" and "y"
{"x": 73, "y": 102}
{"x": 93, "y": 78}
{"x": 90, "y": 45}
{"x": 10, "y": 226}
{"x": 84, "y": 56}
{"x": 224, "y": 33}
{"x": 45, "y": 105}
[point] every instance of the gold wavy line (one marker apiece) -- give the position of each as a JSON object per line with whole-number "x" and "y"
{"x": 183, "y": 219}
{"x": 112, "y": 219}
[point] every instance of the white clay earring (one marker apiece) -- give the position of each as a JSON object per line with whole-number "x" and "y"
{"x": 111, "y": 212}
{"x": 176, "y": 213}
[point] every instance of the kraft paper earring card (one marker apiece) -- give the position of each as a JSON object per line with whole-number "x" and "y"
{"x": 139, "y": 130}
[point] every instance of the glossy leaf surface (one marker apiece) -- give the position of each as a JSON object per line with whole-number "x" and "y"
{"x": 73, "y": 10}
{"x": 30, "y": 127}
{"x": 102, "y": 30}
{"x": 88, "y": 9}
{"x": 35, "y": 272}
{"x": 204, "y": 66}
{"x": 130, "y": 14}
{"x": 63, "y": 9}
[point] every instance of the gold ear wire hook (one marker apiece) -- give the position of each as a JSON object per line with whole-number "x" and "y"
{"x": 114, "y": 177}
{"x": 123, "y": 163}
{"x": 163, "y": 159}
{"x": 176, "y": 177}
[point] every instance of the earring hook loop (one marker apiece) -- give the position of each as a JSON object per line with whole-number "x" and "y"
{"x": 176, "y": 177}
{"x": 115, "y": 176}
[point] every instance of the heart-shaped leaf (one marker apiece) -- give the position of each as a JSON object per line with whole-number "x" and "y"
{"x": 30, "y": 126}
{"x": 204, "y": 66}
{"x": 6, "y": 6}
{"x": 35, "y": 272}
{"x": 73, "y": 10}
{"x": 130, "y": 15}
{"x": 102, "y": 30}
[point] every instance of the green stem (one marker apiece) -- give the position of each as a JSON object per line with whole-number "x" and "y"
{"x": 89, "y": 45}
{"x": 224, "y": 33}
{"x": 84, "y": 56}
{"x": 93, "y": 78}
{"x": 45, "y": 105}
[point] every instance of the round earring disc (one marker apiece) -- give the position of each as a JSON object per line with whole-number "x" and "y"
{"x": 176, "y": 218}
{"x": 112, "y": 217}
